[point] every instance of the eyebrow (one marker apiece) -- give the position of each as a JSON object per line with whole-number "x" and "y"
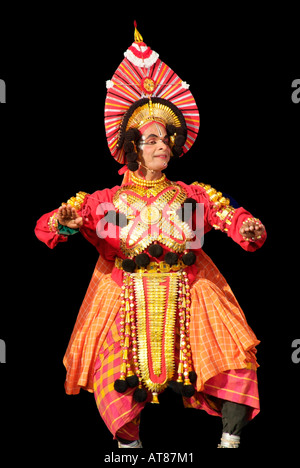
{"x": 151, "y": 136}
{"x": 155, "y": 136}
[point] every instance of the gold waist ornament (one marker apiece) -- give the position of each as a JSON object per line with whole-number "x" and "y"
{"x": 154, "y": 267}
{"x": 150, "y": 304}
{"x": 156, "y": 305}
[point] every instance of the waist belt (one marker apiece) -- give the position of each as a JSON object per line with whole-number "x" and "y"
{"x": 154, "y": 267}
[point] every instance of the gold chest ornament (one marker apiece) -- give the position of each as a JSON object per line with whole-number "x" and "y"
{"x": 150, "y": 208}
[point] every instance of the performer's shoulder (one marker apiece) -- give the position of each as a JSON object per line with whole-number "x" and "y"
{"x": 194, "y": 186}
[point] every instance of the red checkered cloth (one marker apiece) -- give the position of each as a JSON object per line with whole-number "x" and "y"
{"x": 223, "y": 346}
{"x": 118, "y": 410}
{"x": 220, "y": 336}
{"x": 96, "y": 317}
{"x": 121, "y": 413}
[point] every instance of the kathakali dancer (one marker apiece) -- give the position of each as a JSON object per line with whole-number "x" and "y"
{"x": 157, "y": 312}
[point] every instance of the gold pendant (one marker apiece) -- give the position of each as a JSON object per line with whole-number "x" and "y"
{"x": 156, "y": 305}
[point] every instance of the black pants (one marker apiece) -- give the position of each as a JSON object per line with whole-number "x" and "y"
{"x": 234, "y": 417}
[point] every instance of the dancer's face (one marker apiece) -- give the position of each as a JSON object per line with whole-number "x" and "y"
{"x": 155, "y": 147}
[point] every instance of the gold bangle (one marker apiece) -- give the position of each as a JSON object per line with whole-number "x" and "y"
{"x": 53, "y": 223}
{"x": 252, "y": 220}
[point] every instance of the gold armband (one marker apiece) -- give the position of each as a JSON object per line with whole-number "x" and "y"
{"x": 215, "y": 197}
{"x": 76, "y": 202}
{"x": 221, "y": 204}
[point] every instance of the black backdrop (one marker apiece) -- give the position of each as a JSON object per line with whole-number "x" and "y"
{"x": 240, "y": 65}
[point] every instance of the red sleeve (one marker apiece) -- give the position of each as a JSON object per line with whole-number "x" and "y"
{"x": 240, "y": 215}
{"x": 219, "y": 214}
{"x": 46, "y": 231}
{"x": 91, "y": 207}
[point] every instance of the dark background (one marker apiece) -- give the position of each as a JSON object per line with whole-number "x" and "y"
{"x": 240, "y": 64}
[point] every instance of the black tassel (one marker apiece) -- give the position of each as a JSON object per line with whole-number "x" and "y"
{"x": 188, "y": 391}
{"x": 189, "y": 258}
{"x": 140, "y": 395}
{"x": 155, "y": 250}
{"x": 192, "y": 376}
{"x": 128, "y": 265}
{"x": 142, "y": 260}
{"x": 120, "y": 385}
{"x": 132, "y": 381}
{"x": 171, "y": 258}
{"x": 133, "y": 166}
{"x": 177, "y": 387}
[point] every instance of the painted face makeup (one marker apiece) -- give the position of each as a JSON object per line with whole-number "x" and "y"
{"x": 154, "y": 146}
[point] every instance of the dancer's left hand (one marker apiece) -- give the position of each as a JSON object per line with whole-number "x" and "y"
{"x": 252, "y": 230}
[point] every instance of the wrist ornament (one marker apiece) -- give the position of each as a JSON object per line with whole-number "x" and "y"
{"x": 55, "y": 226}
{"x": 53, "y": 223}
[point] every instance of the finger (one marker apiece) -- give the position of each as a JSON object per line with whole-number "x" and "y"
{"x": 69, "y": 211}
{"x": 246, "y": 229}
{"x": 62, "y": 211}
{"x": 74, "y": 213}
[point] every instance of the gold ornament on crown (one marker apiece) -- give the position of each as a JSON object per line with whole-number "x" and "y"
{"x": 152, "y": 111}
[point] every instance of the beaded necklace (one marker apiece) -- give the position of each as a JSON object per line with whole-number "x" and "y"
{"x": 147, "y": 183}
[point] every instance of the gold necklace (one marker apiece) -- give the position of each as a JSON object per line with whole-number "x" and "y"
{"x": 147, "y": 183}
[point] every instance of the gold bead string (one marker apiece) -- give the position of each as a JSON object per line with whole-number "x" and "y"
{"x": 184, "y": 306}
{"x": 127, "y": 317}
{"x": 147, "y": 183}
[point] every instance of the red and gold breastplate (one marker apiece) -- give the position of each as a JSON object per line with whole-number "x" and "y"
{"x": 150, "y": 208}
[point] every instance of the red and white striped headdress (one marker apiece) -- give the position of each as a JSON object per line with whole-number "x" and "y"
{"x": 143, "y": 75}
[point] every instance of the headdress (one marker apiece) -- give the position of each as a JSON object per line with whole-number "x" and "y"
{"x": 145, "y": 89}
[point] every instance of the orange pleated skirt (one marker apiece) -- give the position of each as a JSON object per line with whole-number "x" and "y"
{"x": 222, "y": 343}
